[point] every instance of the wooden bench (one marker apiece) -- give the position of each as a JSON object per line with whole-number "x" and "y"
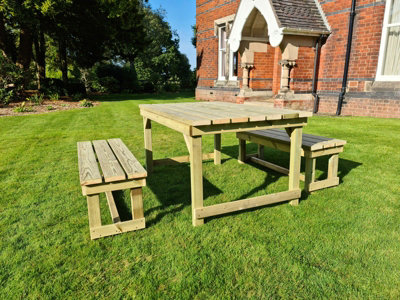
{"x": 119, "y": 170}
{"x": 313, "y": 146}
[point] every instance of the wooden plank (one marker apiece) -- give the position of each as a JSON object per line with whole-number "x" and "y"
{"x": 179, "y": 159}
{"x": 168, "y": 122}
{"x": 323, "y": 184}
{"x": 89, "y": 172}
{"x": 186, "y": 113}
{"x": 217, "y": 149}
{"x": 260, "y": 151}
{"x": 117, "y": 228}
{"x": 94, "y": 215}
{"x": 262, "y": 141}
{"x": 148, "y": 144}
{"x": 137, "y": 203}
{"x": 242, "y": 151}
{"x": 112, "y": 186}
{"x": 113, "y": 208}
{"x": 196, "y": 178}
{"x": 333, "y": 165}
{"x": 239, "y": 205}
{"x": 234, "y": 116}
{"x": 323, "y": 152}
{"x": 237, "y": 110}
{"x": 112, "y": 170}
{"x": 267, "y": 113}
{"x": 128, "y": 161}
{"x": 310, "y": 173}
{"x": 238, "y": 127}
{"x": 211, "y": 117}
{"x": 186, "y": 138}
{"x": 164, "y": 111}
{"x": 271, "y": 166}
{"x": 295, "y": 161}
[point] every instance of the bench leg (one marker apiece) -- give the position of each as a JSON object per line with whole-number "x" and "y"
{"x": 137, "y": 203}
{"x": 333, "y": 166}
{"x": 260, "y": 151}
{"x": 196, "y": 177}
{"x": 93, "y": 202}
{"x": 295, "y": 160}
{"x": 242, "y": 151}
{"x": 148, "y": 144}
{"x": 217, "y": 149}
{"x": 310, "y": 173}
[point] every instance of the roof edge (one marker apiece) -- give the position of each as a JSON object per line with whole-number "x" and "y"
{"x": 321, "y": 11}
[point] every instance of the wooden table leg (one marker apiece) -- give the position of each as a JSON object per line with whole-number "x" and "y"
{"x": 93, "y": 202}
{"x": 242, "y": 151}
{"x": 137, "y": 203}
{"x": 295, "y": 160}
{"x": 148, "y": 144}
{"x": 310, "y": 173}
{"x": 196, "y": 177}
{"x": 333, "y": 166}
{"x": 260, "y": 151}
{"x": 217, "y": 149}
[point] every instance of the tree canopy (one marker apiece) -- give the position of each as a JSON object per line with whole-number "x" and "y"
{"x": 65, "y": 35}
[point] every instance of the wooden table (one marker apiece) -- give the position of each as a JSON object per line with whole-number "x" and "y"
{"x": 196, "y": 119}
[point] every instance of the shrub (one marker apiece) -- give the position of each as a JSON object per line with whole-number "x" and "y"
{"x": 50, "y": 107}
{"x": 10, "y": 80}
{"x": 78, "y": 97}
{"x": 86, "y": 103}
{"x": 7, "y": 96}
{"x": 36, "y": 99}
{"x": 23, "y": 108}
{"x": 54, "y": 96}
{"x": 110, "y": 84}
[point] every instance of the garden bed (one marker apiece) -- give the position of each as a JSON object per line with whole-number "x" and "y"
{"x": 47, "y": 106}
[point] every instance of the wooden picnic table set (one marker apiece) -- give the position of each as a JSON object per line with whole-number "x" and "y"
{"x": 108, "y": 166}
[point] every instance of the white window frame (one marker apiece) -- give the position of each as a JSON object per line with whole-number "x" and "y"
{"x": 221, "y": 50}
{"x": 382, "y": 51}
{"x": 227, "y": 23}
{"x": 231, "y": 76}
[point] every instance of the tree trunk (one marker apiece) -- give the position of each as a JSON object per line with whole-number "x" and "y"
{"x": 7, "y": 46}
{"x": 63, "y": 60}
{"x": 40, "y": 51}
{"x": 25, "y": 52}
{"x": 3, "y": 36}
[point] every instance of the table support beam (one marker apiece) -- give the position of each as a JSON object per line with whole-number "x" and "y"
{"x": 217, "y": 149}
{"x": 296, "y": 135}
{"x": 196, "y": 177}
{"x": 148, "y": 144}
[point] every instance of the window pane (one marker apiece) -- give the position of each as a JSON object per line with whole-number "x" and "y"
{"x": 392, "y": 55}
{"x": 395, "y": 12}
{"x": 222, "y": 64}
{"x": 222, "y": 38}
{"x": 235, "y": 64}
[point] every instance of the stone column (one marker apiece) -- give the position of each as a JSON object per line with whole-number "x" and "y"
{"x": 246, "y": 72}
{"x": 287, "y": 66}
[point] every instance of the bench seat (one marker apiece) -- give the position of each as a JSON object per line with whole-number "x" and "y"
{"x": 106, "y": 167}
{"x": 313, "y": 146}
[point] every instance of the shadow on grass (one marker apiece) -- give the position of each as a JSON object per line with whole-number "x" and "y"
{"x": 161, "y": 96}
{"x": 171, "y": 185}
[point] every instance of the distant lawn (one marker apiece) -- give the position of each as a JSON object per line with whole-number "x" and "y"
{"x": 341, "y": 242}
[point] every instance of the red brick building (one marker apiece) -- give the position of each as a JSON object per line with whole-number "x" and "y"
{"x": 296, "y": 53}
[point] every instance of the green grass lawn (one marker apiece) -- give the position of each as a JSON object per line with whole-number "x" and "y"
{"x": 342, "y": 242}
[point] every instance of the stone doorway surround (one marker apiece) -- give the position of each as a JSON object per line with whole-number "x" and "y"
{"x": 262, "y": 22}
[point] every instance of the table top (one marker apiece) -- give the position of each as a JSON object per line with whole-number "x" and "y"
{"x": 209, "y": 113}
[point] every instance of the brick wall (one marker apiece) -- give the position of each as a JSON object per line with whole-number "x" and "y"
{"x": 266, "y": 73}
